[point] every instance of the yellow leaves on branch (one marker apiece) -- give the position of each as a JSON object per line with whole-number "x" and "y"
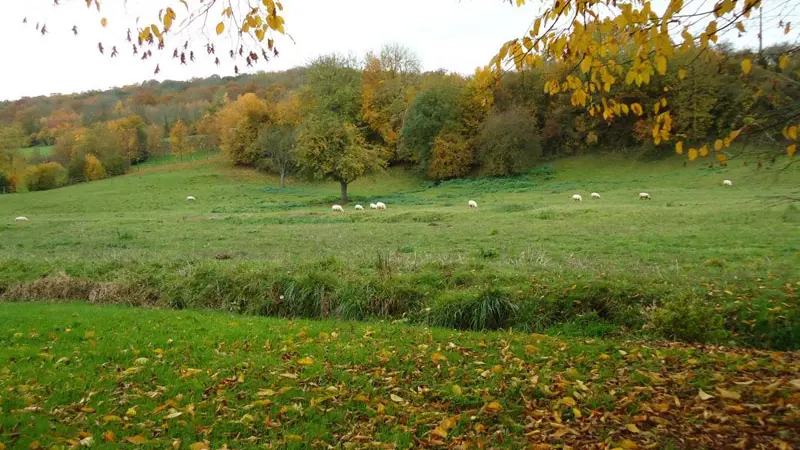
{"x": 104, "y": 22}
{"x": 679, "y": 148}
{"x": 220, "y": 28}
{"x": 692, "y": 154}
{"x": 790, "y": 132}
{"x": 783, "y": 62}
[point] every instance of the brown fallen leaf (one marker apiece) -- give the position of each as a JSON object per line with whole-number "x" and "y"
{"x": 199, "y": 446}
{"x": 731, "y": 395}
{"x": 108, "y": 436}
{"x": 494, "y": 407}
{"x": 703, "y": 396}
{"x": 436, "y": 356}
{"x": 795, "y": 384}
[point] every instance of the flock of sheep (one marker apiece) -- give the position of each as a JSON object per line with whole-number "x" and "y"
{"x": 472, "y": 203}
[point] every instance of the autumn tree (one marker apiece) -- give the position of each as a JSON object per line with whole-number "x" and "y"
{"x": 389, "y": 81}
{"x": 330, "y": 148}
{"x": 179, "y": 140}
{"x": 132, "y": 137}
{"x": 239, "y": 124}
{"x": 11, "y": 139}
{"x": 425, "y": 118}
{"x": 333, "y": 84}
{"x": 94, "y": 169}
{"x": 46, "y": 176}
{"x": 451, "y": 156}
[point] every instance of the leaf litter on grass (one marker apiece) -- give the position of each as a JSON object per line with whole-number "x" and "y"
{"x": 321, "y": 384}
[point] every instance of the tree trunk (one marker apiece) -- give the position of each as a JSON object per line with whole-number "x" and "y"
{"x": 343, "y": 184}
{"x": 283, "y": 177}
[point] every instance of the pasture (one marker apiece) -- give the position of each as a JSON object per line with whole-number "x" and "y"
{"x": 698, "y": 262}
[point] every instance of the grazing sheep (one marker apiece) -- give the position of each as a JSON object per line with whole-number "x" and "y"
{"x": 380, "y": 205}
{"x": 727, "y": 183}
{"x": 644, "y": 196}
{"x": 472, "y": 204}
{"x": 190, "y": 198}
{"x": 595, "y": 195}
{"x": 359, "y": 208}
{"x": 577, "y": 198}
{"x": 337, "y": 208}
{"x": 373, "y": 206}
{"x": 21, "y": 219}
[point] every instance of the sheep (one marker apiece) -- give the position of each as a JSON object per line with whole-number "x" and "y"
{"x": 21, "y": 219}
{"x": 337, "y": 208}
{"x": 190, "y": 198}
{"x": 577, "y": 198}
{"x": 644, "y": 196}
{"x": 359, "y": 208}
{"x": 380, "y": 205}
{"x": 472, "y": 204}
{"x": 373, "y": 206}
{"x": 596, "y": 195}
{"x": 727, "y": 183}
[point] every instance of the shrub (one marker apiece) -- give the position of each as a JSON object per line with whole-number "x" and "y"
{"x": 8, "y": 183}
{"x": 509, "y": 142}
{"x": 46, "y": 176}
{"x": 489, "y": 310}
{"x": 689, "y": 318}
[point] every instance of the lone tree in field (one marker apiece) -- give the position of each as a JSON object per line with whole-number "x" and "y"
{"x": 277, "y": 145}
{"x": 596, "y": 48}
{"x": 328, "y": 148}
{"x": 179, "y": 140}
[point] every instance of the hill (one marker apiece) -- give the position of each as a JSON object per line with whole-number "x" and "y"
{"x": 698, "y": 262}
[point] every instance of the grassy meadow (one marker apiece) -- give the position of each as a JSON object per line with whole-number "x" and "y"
{"x": 76, "y": 376}
{"x": 698, "y": 262}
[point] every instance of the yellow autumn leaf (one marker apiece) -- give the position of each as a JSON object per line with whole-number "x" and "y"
{"x": 661, "y": 64}
{"x": 679, "y": 148}
{"x": 89, "y": 334}
{"x": 260, "y": 34}
{"x": 104, "y": 22}
{"x": 704, "y": 151}
{"x": 198, "y": 446}
{"x": 627, "y": 444}
{"x": 130, "y": 412}
{"x": 438, "y": 431}
{"x": 569, "y": 401}
{"x": 692, "y": 154}
{"x": 718, "y": 145}
{"x": 436, "y": 356}
{"x": 791, "y": 150}
{"x": 220, "y": 28}
{"x": 586, "y": 64}
{"x": 746, "y": 66}
{"x": 111, "y": 419}
{"x": 731, "y": 395}
{"x": 457, "y": 389}
{"x": 703, "y": 395}
{"x": 637, "y": 109}
{"x": 138, "y": 439}
{"x": 305, "y": 361}
{"x": 783, "y": 62}
{"x": 633, "y": 428}
{"x": 791, "y": 132}
{"x": 493, "y": 407}
{"x": 108, "y": 436}
{"x": 682, "y": 74}
{"x": 396, "y": 398}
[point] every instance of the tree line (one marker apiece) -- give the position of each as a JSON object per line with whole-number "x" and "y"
{"x": 341, "y": 117}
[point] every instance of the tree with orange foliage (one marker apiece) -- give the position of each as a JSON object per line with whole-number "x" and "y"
{"x": 179, "y": 140}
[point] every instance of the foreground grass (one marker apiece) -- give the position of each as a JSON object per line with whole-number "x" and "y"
{"x": 110, "y": 375}
{"x": 699, "y": 262}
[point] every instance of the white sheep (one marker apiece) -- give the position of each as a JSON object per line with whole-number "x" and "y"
{"x": 21, "y": 219}
{"x": 596, "y": 195}
{"x": 373, "y": 206}
{"x": 727, "y": 183}
{"x": 190, "y": 198}
{"x": 337, "y": 208}
{"x": 472, "y": 204}
{"x": 644, "y": 196}
{"x": 577, "y": 198}
{"x": 380, "y": 205}
{"x": 359, "y": 208}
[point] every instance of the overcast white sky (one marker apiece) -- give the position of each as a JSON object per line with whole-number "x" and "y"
{"x": 450, "y": 34}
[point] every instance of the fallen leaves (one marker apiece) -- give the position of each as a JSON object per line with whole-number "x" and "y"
{"x": 702, "y": 395}
{"x": 730, "y": 395}
{"x": 137, "y": 440}
{"x": 396, "y": 398}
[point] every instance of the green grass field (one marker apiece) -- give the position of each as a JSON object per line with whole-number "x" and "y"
{"x": 110, "y": 377}
{"x": 41, "y": 151}
{"x": 698, "y": 262}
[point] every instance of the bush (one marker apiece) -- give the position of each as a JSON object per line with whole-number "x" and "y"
{"x": 46, "y": 176}
{"x": 689, "y": 318}
{"x": 489, "y": 310}
{"x": 509, "y": 142}
{"x": 8, "y": 183}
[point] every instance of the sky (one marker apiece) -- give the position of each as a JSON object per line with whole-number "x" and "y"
{"x": 456, "y": 35}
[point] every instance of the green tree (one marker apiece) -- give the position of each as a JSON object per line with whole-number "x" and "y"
{"x": 425, "y": 118}
{"x": 333, "y": 84}
{"x": 277, "y": 149}
{"x": 509, "y": 142}
{"x": 329, "y": 148}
